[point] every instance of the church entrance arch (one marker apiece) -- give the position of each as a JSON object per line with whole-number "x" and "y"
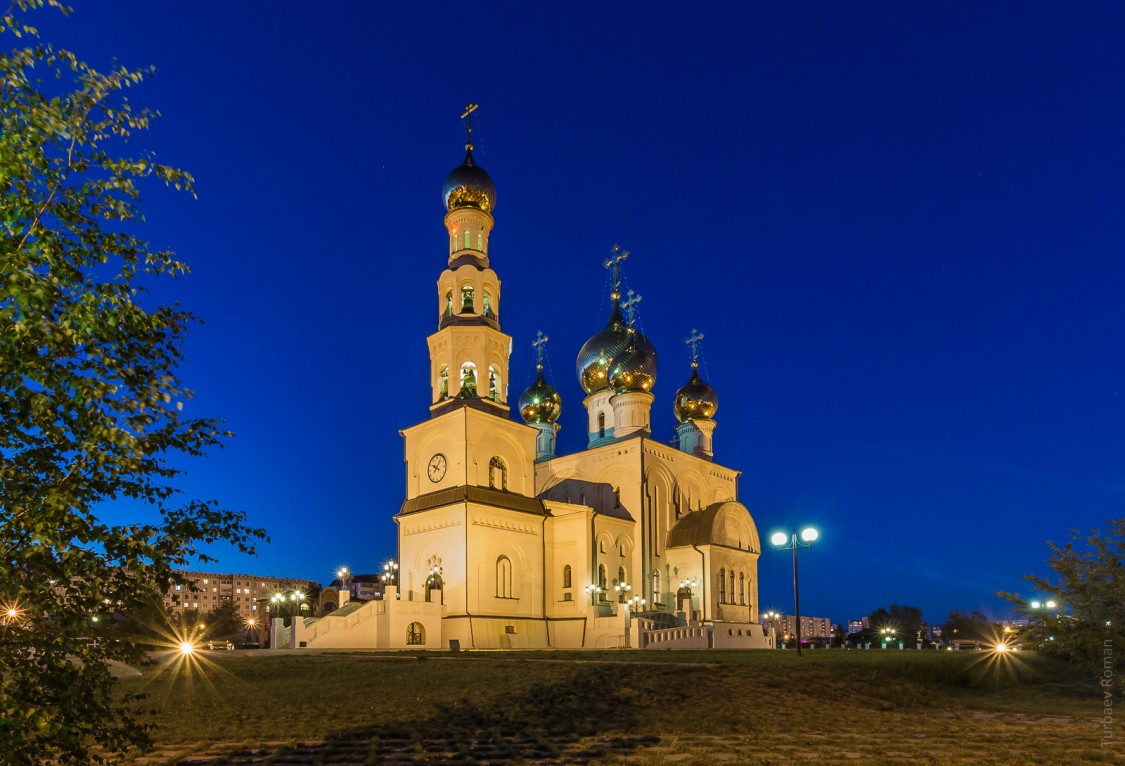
{"x": 435, "y": 583}
{"x": 683, "y": 596}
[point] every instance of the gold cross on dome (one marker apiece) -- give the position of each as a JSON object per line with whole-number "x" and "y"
{"x": 613, "y": 263}
{"x": 630, "y": 307}
{"x": 693, "y": 341}
{"x": 538, "y": 344}
{"x": 468, "y": 118}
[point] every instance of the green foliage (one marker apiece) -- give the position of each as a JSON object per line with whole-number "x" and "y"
{"x": 1090, "y": 596}
{"x": 967, "y": 627}
{"x": 906, "y": 621}
{"x": 224, "y": 622}
{"x": 90, "y": 402}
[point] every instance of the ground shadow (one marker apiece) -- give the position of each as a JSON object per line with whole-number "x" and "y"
{"x": 577, "y": 721}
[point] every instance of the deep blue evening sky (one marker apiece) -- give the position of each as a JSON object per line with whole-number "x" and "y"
{"x": 899, "y": 226}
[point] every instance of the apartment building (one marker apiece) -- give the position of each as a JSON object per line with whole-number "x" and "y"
{"x": 811, "y": 627}
{"x": 247, "y": 592}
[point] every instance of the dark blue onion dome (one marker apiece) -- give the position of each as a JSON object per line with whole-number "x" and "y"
{"x": 540, "y": 403}
{"x": 597, "y": 354}
{"x": 695, "y": 400}
{"x": 634, "y": 369}
{"x": 469, "y": 185}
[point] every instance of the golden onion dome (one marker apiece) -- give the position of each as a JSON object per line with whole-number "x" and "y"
{"x": 540, "y": 403}
{"x": 695, "y": 400}
{"x": 634, "y": 369}
{"x": 469, "y": 186}
{"x": 597, "y": 354}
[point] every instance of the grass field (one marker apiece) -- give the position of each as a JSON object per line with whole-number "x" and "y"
{"x": 631, "y": 708}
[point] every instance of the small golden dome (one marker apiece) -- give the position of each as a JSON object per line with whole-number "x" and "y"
{"x": 469, "y": 186}
{"x": 540, "y": 403}
{"x": 597, "y": 354}
{"x": 634, "y": 369}
{"x": 695, "y": 400}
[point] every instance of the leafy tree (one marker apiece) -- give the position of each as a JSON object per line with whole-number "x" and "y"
{"x": 1090, "y": 595}
{"x": 224, "y": 621}
{"x": 90, "y": 402}
{"x": 973, "y": 626}
{"x": 906, "y": 621}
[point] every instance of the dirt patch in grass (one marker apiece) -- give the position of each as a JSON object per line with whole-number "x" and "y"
{"x": 628, "y": 708}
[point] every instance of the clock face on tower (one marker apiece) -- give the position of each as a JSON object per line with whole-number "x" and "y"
{"x": 436, "y": 468}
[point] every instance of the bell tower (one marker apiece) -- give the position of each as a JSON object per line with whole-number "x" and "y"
{"x": 469, "y": 353}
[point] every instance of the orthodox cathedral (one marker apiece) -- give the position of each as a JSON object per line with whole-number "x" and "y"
{"x": 505, "y": 544}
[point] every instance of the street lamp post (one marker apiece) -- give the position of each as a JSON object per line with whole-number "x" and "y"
{"x": 772, "y": 617}
{"x": 786, "y": 542}
{"x": 594, "y": 591}
{"x": 888, "y": 634}
{"x": 390, "y": 573}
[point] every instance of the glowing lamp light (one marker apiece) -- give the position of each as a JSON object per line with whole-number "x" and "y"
{"x": 779, "y": 538}
{"x": 187, "y": 647}
{"x": 13, "y": 613}
{"x": 1001, "y": 647}
{"x": 809, "y": 534}
{"x": 1050, "y": 605}
{"x": 1035, "y": 605}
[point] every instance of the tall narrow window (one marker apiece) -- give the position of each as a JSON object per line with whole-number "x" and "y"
{"x": 601, "y": 425}
{"x": 655, "y": 586}
{"x": 497, "y": 474}
{"x": 722, "y": 586}
{"x": 448, "y": 312}
{"x": 486, "y": 304}
{"x": 480, "y": 239}
{"x": 468, "y": 380}
{"x": 467, "y": 302}
{"x": 503, "y": 577}
{"x": 443, "y": 384}
{"x": 566, "y": 576}
{"x": 742, "y": 588}
{"x": 468, "y": 238}
{"x": 732, "y": 586}
{"x": 493, "y": 384}
{"x": 602, "y": 582}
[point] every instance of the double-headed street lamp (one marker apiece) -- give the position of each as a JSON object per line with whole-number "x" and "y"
{"x": 888, "y": 634}
{"x": 786, "y": 542}
{"x": 390, "y": 573}
{"x": 595, "y": 592}
{"x": 622, "y": 590}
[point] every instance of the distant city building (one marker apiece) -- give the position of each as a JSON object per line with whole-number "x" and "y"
{"x": 855, "y": 626}
{"x": 246, "y": 592}
{"x": 811, "y": 627}
{"x": 361, "y": 587}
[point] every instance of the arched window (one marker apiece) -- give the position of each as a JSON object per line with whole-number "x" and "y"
{"x": 602, "y": 582}
{"x": 468, "y": 380}
{"x": 742, "y": 588}
{"x": 621, "y": 581}
{"x": 480, "y": 239}
{"x": 503, "y": 577}
{"x": 443, "y": 384}
{"x": 448, "y": 304}
{"x": 566, "y": 576}
{"x": 416, "y": 634}
{"x": 732, "y": 586}
{"x": 434, "y": 582}
{"x": 655, "y": 586}
{"x": 722, "y": 586}
{"x": 493, "y": 384}
{"x": 601, "y": 425}
{"x": 468, "y": 237}
{"x": 497, "y": 474}
{"x": 467, "y": 299}
{"x": 486, "y": 304}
